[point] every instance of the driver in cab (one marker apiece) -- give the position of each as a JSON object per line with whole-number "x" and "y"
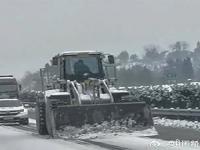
{"x": 80, "y": 68}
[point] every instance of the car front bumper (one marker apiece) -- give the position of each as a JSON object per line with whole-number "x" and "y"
{"x": 13, "y": 118}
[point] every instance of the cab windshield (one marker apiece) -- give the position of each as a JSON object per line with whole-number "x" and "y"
{"x": 87, "y": 64}
{"x": 80, "y": 65}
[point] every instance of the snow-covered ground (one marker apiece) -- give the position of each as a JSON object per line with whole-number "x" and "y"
{"x": 177, "y": 123}
{"x": 101, "y": 131}
{"x": 16, "y": 139}
{"x": 141, "y": 143}
{"x": 106, "y": 128}
{"x": 129, "y": 139}
{"x": 140, "y": 140}
{"x": 32, "y": 121}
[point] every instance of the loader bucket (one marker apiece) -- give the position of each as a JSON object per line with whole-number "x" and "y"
{"x": 98, "y": 113}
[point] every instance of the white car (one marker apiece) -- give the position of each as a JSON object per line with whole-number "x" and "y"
{"x": 12, "y": 111}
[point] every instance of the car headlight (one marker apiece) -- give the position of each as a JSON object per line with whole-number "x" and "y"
{"x": 23, "y": 113}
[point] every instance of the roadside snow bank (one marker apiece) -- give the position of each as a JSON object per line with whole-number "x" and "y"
{"x": 32, "y": 121}
{"x": 177, "y": 123}
{"x": 144, "y": 143}
{"x": 105, "y": 129}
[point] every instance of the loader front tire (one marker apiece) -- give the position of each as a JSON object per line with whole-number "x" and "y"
{"x": 49, "y": 120}
{"x": 41, "y": 118}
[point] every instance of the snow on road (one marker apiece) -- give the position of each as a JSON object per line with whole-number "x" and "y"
{"x": 104, "y": 129}
{"x": 136, "y": 140}
{"x": 17, "y": 139}
{"x": 14, "y": 139}
{"x": 177, "y": 123}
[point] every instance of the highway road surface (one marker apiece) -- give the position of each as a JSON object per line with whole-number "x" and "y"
{"x": 16, "y": 139}
{"x": 26, "y": 138}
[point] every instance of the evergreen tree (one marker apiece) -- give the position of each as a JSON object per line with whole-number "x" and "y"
{"x": 123, "y": 57}
{"x": 187, "y": 69}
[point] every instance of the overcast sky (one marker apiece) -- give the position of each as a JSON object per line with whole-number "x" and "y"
{"x": 32, "y": 31}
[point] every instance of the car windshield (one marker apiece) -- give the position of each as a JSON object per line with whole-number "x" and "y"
{"x": 10, "y": 103}
{"x": 8, "y": 91}
{"x": 80, "y": 65}
{"x": 8, "y": 88}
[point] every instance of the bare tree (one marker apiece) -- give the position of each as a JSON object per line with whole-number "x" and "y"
{"x": 180, "y": 46}
{"x": 153, "y": 54}
{"x": 134, "y": 58}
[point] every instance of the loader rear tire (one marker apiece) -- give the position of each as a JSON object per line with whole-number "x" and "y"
{"x": 41, "y": 118}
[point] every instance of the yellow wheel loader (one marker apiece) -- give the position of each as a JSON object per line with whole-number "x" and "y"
{"x": 78, "y": 90}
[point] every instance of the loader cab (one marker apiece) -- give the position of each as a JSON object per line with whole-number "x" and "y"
{"x": 80, "y": 66}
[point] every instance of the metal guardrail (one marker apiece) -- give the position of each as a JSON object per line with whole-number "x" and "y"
{"x": 176, "y": 112}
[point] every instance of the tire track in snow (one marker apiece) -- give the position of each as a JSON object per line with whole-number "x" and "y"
{"x": 104, "y": 145}
{"x": 94, "y": 143}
